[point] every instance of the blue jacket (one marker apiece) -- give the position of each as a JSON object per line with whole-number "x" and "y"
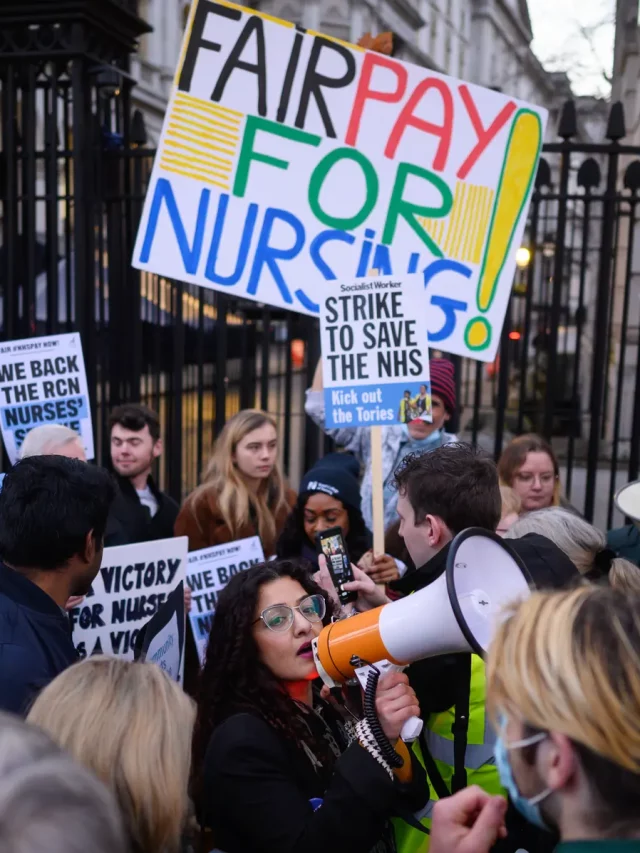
{"x": 35, "y": 641}
{"x": 625, "y": 541}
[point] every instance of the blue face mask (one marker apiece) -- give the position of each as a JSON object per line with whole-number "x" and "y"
{"x": 420, "y": 445}
{"x": 528, "y": 808}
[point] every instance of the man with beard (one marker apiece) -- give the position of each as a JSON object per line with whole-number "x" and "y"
{"x": 53, "y": 514}
{"x": 140, "y": 512}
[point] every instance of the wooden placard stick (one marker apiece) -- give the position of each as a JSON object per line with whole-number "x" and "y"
{"x": 377, "y": 488}
{"x": 377, "y": 483}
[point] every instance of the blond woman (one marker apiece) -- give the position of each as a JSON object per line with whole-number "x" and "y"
{"x": 243, "y": 492}
{"x": 132, "y": 726}
{"x": 564, "y": 687}
{"x": 563, "y": 682}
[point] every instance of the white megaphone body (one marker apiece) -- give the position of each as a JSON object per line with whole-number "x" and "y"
{"x": 627, "y": 500}
{"x": 458, "y": 612}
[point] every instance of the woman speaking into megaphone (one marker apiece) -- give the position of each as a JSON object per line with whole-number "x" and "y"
{"x": 276, "y": 768}
{"x": 563, "y": 679}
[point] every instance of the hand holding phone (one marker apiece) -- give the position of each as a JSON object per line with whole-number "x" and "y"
{"x": 331, "y": 543}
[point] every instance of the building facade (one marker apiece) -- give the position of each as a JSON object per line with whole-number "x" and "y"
{"x": 626, "y": 64}
{"x": 483, "y": 41}
{"x": 154, "y": 64}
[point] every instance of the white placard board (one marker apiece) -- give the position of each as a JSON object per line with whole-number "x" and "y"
{"x": 375, "y": 358}
{"x": 133, "y": 583}
{"x": 43, "y": 381}
{"x": 289, "y": 161}
{"x": 163, "y": 642}
{"x": 209, "y": 571}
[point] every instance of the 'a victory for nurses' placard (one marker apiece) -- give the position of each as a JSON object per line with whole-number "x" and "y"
{"x": 133, "y": 583}
{"x": 290, "y": 161}
{"x": 43, "y": 381}
{"x": 375, "y": 357}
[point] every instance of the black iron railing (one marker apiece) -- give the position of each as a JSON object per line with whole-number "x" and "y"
{"x": 73, "y": 173}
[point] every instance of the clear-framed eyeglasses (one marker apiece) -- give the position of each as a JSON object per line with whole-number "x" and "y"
{"x": 279, "y": 617}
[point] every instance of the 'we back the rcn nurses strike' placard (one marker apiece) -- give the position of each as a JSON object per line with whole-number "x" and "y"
{"x": 375, "y": 358}
{"x": 290, "y": 162}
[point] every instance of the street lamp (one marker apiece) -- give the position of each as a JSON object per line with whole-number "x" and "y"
{"x": 523, "y": 257}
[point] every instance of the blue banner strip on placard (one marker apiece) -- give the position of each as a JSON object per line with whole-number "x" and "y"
{"x": 29, "y": 415}
{"x": 376, "y": 405}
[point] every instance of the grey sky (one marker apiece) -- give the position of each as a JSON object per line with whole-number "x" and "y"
{"x": 561, "y": 45}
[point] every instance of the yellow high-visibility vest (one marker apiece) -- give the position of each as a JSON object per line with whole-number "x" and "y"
{"x": 479, "y": 758}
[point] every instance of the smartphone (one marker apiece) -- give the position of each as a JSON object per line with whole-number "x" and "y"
{"x": 331, "y": 543}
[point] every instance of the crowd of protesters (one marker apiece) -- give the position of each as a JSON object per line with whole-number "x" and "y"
{"x": 535, "y": 748}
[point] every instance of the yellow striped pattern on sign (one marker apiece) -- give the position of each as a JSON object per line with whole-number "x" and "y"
{"x": 462, "y": 234}
{"x": 201, "y": 141}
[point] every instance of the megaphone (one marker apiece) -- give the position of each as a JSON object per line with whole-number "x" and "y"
{"x": 627, "y": 500}
{"x": 456, "y": 613}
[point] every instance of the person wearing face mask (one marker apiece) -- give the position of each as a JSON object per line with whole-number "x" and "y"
{"x": 243, "y": 491}
{"x": 563, "y": 684}
{"x": 276, "y": 768}
{"x": 398, "y": 441}
{"x": 563, "y": 681}
{"x": 330, "y": 497}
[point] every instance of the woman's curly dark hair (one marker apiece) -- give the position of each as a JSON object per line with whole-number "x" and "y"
{"x": 233, "y": 678}
{"x": 293, "y": 537}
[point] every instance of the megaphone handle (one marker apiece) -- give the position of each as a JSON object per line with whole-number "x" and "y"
{"x": 413, "y": 726}
{"x": 411, "y": 729}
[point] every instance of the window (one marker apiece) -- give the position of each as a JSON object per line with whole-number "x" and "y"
{"x": 143, "y": 12}
{"x": 447, "y": 52}
{"x": 335, "y": 23}
{"x": 434, "y": 32}
{"x": 461, "y": 57}
{"x": 288, "y": 12}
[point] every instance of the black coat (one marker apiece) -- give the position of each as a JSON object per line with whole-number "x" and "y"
{"x": 129, "y": 521}
{"x": 258, "y": 787}
{"x": 35, "y": 641}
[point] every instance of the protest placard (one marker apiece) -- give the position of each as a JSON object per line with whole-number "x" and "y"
{"x": 375, "y": 358}
{"x": 43, "y": 381}
{"x": 133, "y": 583}
{"x": 163, "y": 636}
{"x": 289, "y": 161}
{"x": 209, "y": 571}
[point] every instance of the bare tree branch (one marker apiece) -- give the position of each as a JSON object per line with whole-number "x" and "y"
{"x": 572, "y": 59}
